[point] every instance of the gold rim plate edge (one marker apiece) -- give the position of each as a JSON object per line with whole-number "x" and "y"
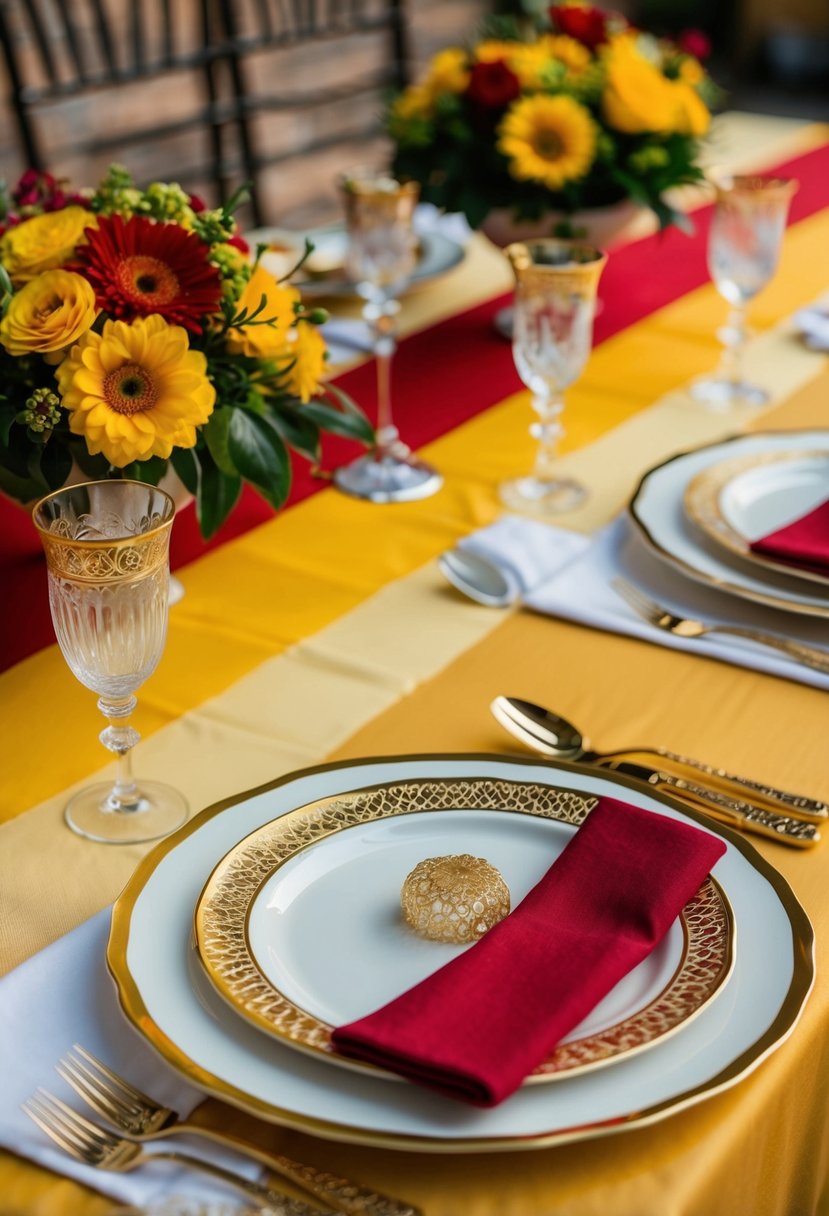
{"x": 691, "y": 572}
{"x": 223, "y": 910}
{"x": 704, "y": 509}
{"x": 746, "y": 1062}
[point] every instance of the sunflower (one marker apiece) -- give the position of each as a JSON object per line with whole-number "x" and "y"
{"x": 551, "y": 140}
{"x": 135, "y": 391}
{"x": 139, "y": 268}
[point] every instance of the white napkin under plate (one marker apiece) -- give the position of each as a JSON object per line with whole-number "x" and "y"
{"x": 563, "y": 574}
{"x": 64, "y": 995}
{"x": 813, "y": 324}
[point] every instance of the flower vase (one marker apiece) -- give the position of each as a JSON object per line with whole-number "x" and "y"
{"x": 602, "y": 227}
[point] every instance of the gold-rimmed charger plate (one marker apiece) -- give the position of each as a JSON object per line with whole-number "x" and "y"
{"x": 288, "y": 905}
{"x": 735, "y": 502}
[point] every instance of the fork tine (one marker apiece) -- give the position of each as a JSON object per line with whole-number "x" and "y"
{"x": 54, "y": 1133}
{"x": 636, "y": 599}
{"x": 120, "y": 1083}
{"x": 76, "y": 1121}
{"x": 97, "y": 1091}
{"x": 61, "y": 1127}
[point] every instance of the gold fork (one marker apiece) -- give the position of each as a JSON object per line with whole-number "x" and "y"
{"x": 139, "y": 1116}
{"x": 103, "y": 1150}
{"x": 685, "y": 627}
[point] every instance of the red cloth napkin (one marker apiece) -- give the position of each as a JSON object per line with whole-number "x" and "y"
{"x": 805, "y": 542}
{"x": 480, "y": 1024}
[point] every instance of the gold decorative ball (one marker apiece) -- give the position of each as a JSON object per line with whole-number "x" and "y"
{"x": 454, "y": 899}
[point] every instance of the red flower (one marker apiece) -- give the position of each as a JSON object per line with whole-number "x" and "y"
{"x": 239, "y": 242}
{"x": 138, "y": 268}
{"x": 695, "y": 42}
{"x": 580, "y": 21}
{"x": 493, "y": 85}
{"x": 197, "y": 203}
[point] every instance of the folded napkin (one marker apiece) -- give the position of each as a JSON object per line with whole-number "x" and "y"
{"x": 804, "y": 542}
{"x": 813, "y": 323}
{"x": 64, "y": 995}
{"x": 526, "y": 552}
{"x": 479, "y": 1025}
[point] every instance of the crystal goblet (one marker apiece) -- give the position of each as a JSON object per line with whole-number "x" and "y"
{"x": 555, "y": 302}
{"x": 382, "y": 253}
{"x": 743, "y": 250}
{"x": 107, "y": 553}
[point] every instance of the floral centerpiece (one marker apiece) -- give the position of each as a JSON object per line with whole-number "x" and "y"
{"x": 138, "y": 333}
{"x": 581, "y": 115}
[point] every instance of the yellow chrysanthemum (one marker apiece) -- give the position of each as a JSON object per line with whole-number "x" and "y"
{"x": 637, "y": 96}
{"x": 448, "y": 72}
{"x": 551, "y": 140}
{"x": 306, "y": 346}
{"x": 43, "y": 242}
{"x": 264, "y": 341}
{"x": 49, "y": 313}
{"x": 136, "y": 390}
{"x": 574, "y": 55}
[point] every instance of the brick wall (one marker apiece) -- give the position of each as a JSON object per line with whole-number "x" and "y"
{"x": 296, "y": 190}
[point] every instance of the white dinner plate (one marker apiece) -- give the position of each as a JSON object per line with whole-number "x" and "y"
{"x": 657, "y": 509}
{"x": 164, "y": 994}
{"x": 322, "y": 274}
{"x": 743, "y": 499}
{"x": 299, "y": 926}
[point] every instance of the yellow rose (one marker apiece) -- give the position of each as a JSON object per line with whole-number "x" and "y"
{"x": 637, "y": 97}
{"x": 448, "y": 71}
{"x": 691, "y": 70}
{"x": 43, "y": 242}
{"x": 264, "y": 341}
{"x": 491, "y": 51}
{"x": 306, "y": 346}
{"x": 693, "y": 117}
{"x": 49, "y": 313}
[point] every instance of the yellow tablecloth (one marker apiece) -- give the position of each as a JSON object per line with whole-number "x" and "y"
{"x": 328, "y": 632}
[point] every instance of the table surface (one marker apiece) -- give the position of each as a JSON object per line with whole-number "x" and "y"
{"x": 327, "y": 632}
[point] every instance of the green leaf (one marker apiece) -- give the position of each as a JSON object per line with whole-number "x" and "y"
{"x": 216, "y": 435}
{"x": 298, "y": 430}
{"x": 55, "y": 464}
{"x": 7, "y": 413}
{"x": 217, "y": 494}
{"x": 187, "y": 466}
{"x": 259, "y": 454}
{"x": 150, "y": 471}
{"x": 354, "y": 425}
{"x": 96, "y": 468}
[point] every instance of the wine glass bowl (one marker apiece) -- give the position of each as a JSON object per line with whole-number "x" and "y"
{"x": 555, "y": 301}
{"x": 744, "y": 244}
{"x": 381, "y": 256}
{"x": 107, "y": 546}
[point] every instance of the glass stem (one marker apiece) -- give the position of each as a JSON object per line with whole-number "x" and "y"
{"x": 383, "y": 321}
{"x": 734, "y": 337}
{"x": 120, "y": 738}
{"x": 548, "y": 431}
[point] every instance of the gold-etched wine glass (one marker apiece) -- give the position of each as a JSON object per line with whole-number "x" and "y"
{"x": 107, "y": 552}
{"x": 555, "y": 301}
{"x": 382, "y": 253}
{"x": 743, "y": 250}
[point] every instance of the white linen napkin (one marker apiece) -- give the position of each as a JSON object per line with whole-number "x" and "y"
{"x": 64, "y": 995}
{"x": 813, "y": 324}
{"x": 526, "y": 552}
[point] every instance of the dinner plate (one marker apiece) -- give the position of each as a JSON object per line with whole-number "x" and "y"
{"x": 322, "y": 274}
{"x": 299, "y": 926}
{"x": 163, "y": 991}
{"x": 657, "y": 509}
{"x": 743, "y": 499}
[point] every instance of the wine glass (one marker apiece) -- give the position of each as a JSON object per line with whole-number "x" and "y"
{"x": 555, "y": 301}
{"x": 743, "y": 250}
{"x": 382, "y": 252}
{"x": 107, "y": 545}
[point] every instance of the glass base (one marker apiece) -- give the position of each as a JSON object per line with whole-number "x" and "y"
{"x": 161, "y": 809}
{"x": 388, "y": 478}
{"x": 721, "y": 392}
{"x": 531, "y": 496}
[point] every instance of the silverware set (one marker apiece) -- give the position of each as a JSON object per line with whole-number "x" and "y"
{"x": 136, "y": 1119}
{"x": 746, "y": 805}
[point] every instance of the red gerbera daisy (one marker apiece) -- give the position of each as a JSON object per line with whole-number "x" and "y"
{"x": 139, "y": 267}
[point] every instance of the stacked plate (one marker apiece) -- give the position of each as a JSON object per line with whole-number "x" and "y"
{"x": 701, "y": 511}
{"x": 243, "y": 939}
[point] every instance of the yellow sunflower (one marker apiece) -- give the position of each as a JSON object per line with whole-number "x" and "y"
{"x": 43, "y": 242}
{"x": 551, "y": 140}
{"x": 136, "y": 391}
{"x": 264, "y": 341}
{"x": 306, "y": 346}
